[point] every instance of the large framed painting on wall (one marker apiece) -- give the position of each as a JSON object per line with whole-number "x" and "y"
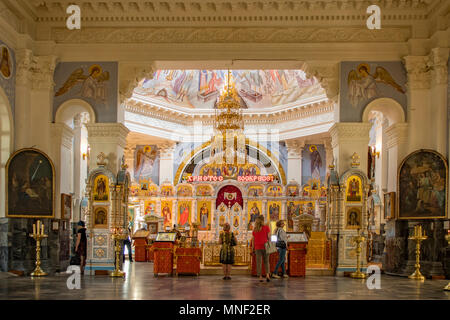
{"x": 422, "y": 186}
{"x": 30, "y": 189}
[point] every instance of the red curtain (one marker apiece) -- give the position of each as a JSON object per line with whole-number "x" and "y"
{"x": 230, "y": 200}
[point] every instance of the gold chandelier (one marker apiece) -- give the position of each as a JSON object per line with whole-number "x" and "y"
{"x": 228, "y": 142}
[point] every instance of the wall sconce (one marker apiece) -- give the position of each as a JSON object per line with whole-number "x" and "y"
{"x": 375, "y": 152}
{"x": 87, "y": 153}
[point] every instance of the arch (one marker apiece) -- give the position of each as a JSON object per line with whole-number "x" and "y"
{"x": 390, "y": 108}
{"x": 194, "y": 153}
{"x": 6, "y": 145}
{"x": 70, "y": 108}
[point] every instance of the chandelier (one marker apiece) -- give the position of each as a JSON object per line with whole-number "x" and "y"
{"x": 228, "y": 142}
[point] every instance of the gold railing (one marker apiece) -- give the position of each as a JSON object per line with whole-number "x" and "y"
{"x": 211, "y": 254}
{"x": 317, "y": 256}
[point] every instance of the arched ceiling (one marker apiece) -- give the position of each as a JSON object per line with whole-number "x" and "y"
{"x": 199, "y": 89}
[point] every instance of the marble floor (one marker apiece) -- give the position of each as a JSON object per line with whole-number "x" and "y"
{"x": 140, "y": 284}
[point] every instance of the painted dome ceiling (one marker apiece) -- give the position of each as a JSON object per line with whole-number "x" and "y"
{"x": 200, "y": 88}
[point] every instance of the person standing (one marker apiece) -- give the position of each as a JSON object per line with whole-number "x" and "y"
{"x": 261, "y": 234}
{"x": 228, "y": 241}
{"x": 281, "y": 247}
{"x": 81, "y": 245}
{"x": 127, "y": 243}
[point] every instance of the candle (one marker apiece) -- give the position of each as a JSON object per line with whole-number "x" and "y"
{"x": 42, "y": 229}
{"x": 34, "y": 228}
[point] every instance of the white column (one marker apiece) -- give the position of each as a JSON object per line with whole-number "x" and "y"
{"x": 328, "y": 154}
{"x": 397, "y": 138}
{"x": 62, "y": 141}
{"x": 109, "y": 138}
{"x": 347, "y": 138}
{"x": 166, "y": 162}
{"x": 295, "y": 148}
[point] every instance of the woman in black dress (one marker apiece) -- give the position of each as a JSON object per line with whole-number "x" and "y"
{"x": 81, "y": 245}
{"x": 228, "y": 241}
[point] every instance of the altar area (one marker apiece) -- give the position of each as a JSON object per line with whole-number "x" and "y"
{"x": 201, "y": 209}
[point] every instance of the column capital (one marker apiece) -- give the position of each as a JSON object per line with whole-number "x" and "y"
{"x": 108, "y": 133}
{"x": 166, "y": 149}
{"x": 327, "y": 73}
{"x": 418, "y": 72}
{"x": 295, "y": 147}
{"x": 396, "y": 134}
{"x": 43, "y": 68}
{"x": 349, "y": 131}
{"x": 63, "y": 134}
{"x": 130, "y": 75}
{"x": 438, "y": 59}
{"x": 24, "y": 58}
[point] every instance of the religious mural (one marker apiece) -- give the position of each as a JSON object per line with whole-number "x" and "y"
{"x": 353, "y": 218}
{"x": 101, "y": 188}
{"x": 422, "y": 186}
{"x": 200, "y": 88}
{"x": 94, "y": 82}
{"x": 185, "y": 190}
{"x": 8, "y": 73}
{"x": 313, "y": 162}
{"x": 204, "y": 215}
{"x": 166, "y": 212}
{"x": 184, "y": 213}
{"x": 31, "y": 179}
{"x": 146, "y": 163}
{"x": 167, "y": 190}
{"x": 362, "y": 82}
{"x": 230, "y": 171}
{"x": 205, "y": 190}
{"x": 354, "y": 189}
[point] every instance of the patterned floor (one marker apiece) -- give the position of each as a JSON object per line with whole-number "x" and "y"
{"x": 141, "y": 284}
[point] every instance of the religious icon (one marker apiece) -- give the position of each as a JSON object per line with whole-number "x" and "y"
{"x": 131, "y": 214}
{"x": 5, "y": 63}
{"x": 100, "y": 217}
{"x": 389, "y": 208}
{"x": 146, "y": 163}
{"x": 184, "y": 211}
{"x": 316, "y": 162}
{"x": 353, "y": 218}
{"x": 66, "y": 206}
{"x": 236, "y": 222}
{"x": 293, "y": 210}
{"x": 149, "y": 207}
{"x": 292, "y": 191}
{"x": 167, "y": 191}
{"x": 221, "y": 221}
{"x": 93, "y": 84}
{"x": 274, "y": 211}
{"x": 101, "y": 188}
{"x": 362, "y": 85}
{"x": 184, "y": 191}
{"x": 167, "y": 212}
{"x": 254, "y": 211}
{"x": 354, "y": 189}
{"x": 204, "y": 216}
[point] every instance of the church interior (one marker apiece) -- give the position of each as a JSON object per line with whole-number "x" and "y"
{"x": 161, "y": 122}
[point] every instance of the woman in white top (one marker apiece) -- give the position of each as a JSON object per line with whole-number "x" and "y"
{"x": 282, "y": 248}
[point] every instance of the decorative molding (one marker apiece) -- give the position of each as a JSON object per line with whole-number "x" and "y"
{"x": 115, "y": 131}
{"x": 295, "y": 148}
{"x": 35, "y": 70}
{"x": 418, "y": 72}
{"x": 62, "y": 134}
{"x": 349, "y": 131}
{"x": 130, "y": 76}
{"x": 24, "y": 58}
{"x": 229, "y": 35}
{"x": 438, "y": 59}
{"x": 396, "y": 134}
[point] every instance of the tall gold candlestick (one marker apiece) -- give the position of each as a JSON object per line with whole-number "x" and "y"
{"x": 38, "y": 235}
{"x": 358, "y": 274}
{"x": 116, "y": 236}
{"x": 418, "y": 237}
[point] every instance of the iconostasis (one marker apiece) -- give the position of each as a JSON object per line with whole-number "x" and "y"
{"x": 210, "y": 205}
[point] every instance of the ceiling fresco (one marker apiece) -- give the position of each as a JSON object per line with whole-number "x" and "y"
{"x": 200, "y": 88}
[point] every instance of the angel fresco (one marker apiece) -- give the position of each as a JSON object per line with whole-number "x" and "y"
{"x": 93, "y": 85}
{"x": 362, "y": 85}
{"x": 145, "y": 160}
{"x": 5, "y": 63}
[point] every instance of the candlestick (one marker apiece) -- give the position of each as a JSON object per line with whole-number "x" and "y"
{"x": 418, "y": 237}
{"x": 38, "y": 235}
{"x": 358, "y": 274}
